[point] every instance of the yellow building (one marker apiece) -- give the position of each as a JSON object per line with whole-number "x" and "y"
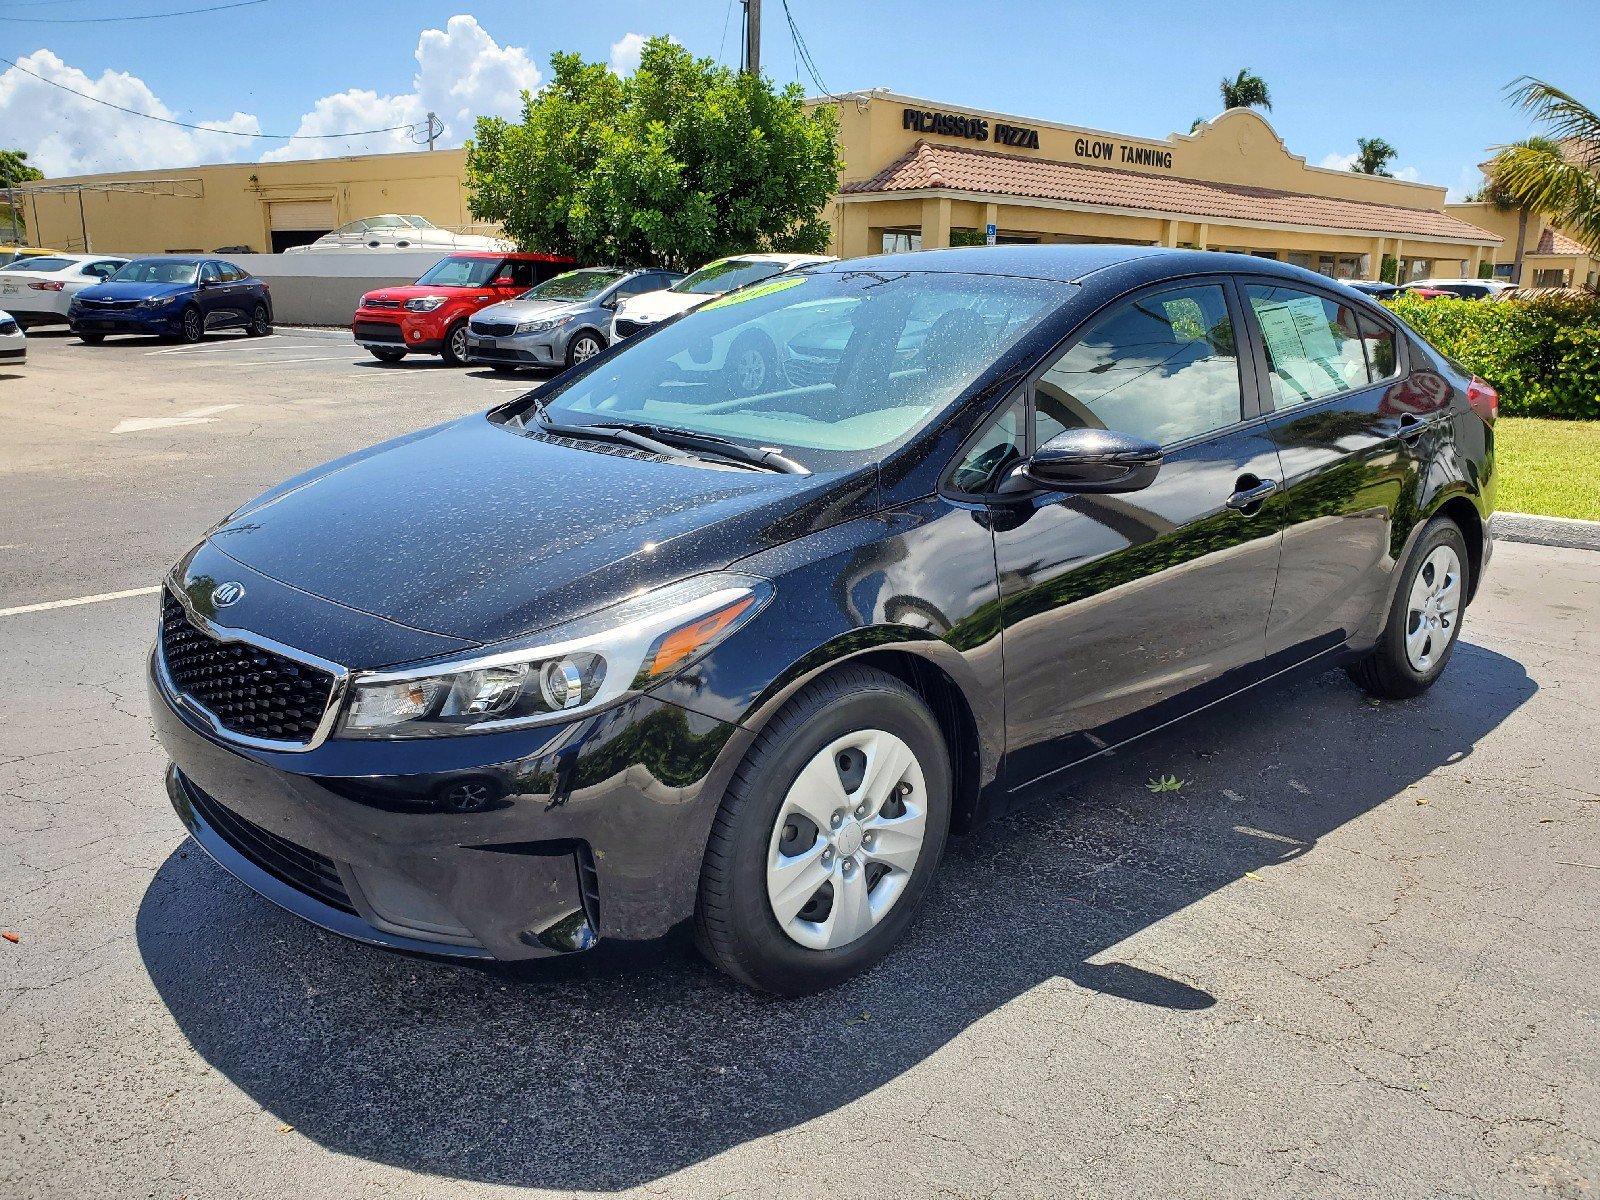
{"x": 264, "y": 206}
{"x": 922, "y": 174}
{"x": 1533, "y": 253}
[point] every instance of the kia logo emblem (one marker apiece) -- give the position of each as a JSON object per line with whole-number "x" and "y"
{"x": 226, "y": 594}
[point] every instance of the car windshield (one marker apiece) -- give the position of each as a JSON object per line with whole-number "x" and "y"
{"x": 715, "y": 278}
{"x": 574, "y": 285}
{"x": 156, "y": 270}
{"x": 461, "y": 272}
{"x": 40, "y": 264}
{"x": 831, "y": 368}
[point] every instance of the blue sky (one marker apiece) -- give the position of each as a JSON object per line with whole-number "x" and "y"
{"x": 1426, "y": 76}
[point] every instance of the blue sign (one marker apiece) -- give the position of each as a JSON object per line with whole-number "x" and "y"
{"x": 989, "y": 234}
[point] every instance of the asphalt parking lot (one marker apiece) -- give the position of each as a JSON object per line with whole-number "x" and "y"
{"x": 1354, "y": 956}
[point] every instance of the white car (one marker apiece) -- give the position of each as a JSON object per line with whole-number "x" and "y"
{"x": 391, "y": 231}
{"x": 37, "y": 290}
{"x": 13, "y": 342}
{"x": 1468, "y": 289}
{"x": 710, "y": 281}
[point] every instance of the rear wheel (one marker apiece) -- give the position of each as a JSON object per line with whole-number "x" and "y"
{"x": 386, "y": 353}
{"x": 454, "y": 350}
{"x": 1425, "y": 618}
{"x": 828, "y": 837}
{"x": 260, "y": 322}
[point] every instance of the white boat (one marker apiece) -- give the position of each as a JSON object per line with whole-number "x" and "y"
{"x": 392, "y": 231}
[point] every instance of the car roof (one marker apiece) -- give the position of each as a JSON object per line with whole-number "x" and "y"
{"x": 1133, "y": 265}
{"x": 518, "y": 255}
{"x": 192, "y": 259}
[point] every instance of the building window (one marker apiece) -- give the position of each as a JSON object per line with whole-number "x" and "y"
{"x": 900, "y": 242}
{"x": 1554, "y": 278}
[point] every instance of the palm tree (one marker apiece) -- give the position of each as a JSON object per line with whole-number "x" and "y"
{"x": 1559, "y": 174}
{"x": 1497, "y": 191}
{"x": 1372, "y": 157}
{"x": 1245, "y": 90}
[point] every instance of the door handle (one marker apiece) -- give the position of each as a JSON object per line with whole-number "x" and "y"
{"x": 1247, "y": 501}
{"x": 1411, "y": 427}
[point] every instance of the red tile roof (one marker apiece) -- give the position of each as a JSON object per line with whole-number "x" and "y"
{"x": 1554, "y": 242}
{"x": 959, "y": 168}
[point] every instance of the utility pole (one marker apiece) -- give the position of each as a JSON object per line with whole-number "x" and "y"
{"x": 11, "y": 207}
{"x": 752, "y": 36}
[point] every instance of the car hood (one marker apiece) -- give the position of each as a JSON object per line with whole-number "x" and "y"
{"x": 411, "y": 291}
{"x": 133, "y": 291}
{"x": 481, "y": 533}
{"x": 658, "y": 306}
{"x": 528, "y": 310}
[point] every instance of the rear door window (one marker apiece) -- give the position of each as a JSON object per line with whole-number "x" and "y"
{"x": 1313, "y": 344}
{"x": 1163, "y": 367}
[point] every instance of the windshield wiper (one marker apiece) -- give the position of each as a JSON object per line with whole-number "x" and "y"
{"x": 608, "y": 433}
{"x": 707, "y": 443}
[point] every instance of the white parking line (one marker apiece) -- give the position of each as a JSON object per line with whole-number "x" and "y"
{"x": 278, "y": 362}
{"x": 246, "y": 344}
{"x": 28, "y": 608}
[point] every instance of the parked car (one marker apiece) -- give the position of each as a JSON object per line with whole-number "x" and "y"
{"x": 13, "y": 341}
{"x": 561, "y": 322}
{"x": 177, "y": 297}
{"x": 394, "y": 232}
{"x": 38, "y": 289}
{"x": 430, "y": 315}
{"x": 636, "y": 649}
{"x": 1468, "y": 289}
{"x": 709, "y": 282}
{"x": 1375, "y": 288}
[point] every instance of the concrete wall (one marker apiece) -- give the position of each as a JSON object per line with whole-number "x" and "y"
{"x": 323, "y": 289}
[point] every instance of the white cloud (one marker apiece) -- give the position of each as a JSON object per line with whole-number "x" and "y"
{"x": 462, "y": 74}
{"x": 625, "y": 53}
{"x": 68, "y": 135}
{"x": 1338, "y": 162}
{"x": 1409, "y": 174}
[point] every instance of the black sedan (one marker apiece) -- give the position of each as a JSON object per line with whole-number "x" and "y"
{"x": 642, "y": 649}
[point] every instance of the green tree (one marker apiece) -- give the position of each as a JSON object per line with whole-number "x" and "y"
{"x": 14, "y": 169}
{"x": 1246, "y": 90}
{"x": 1559, "y": 174}
{"x": 1497, "y": 191}
{"x": 1373, "y": 156}
{"x": 680, "y": 162}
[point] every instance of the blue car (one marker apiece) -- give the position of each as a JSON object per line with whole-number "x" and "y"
{"x": 175, "y": 297}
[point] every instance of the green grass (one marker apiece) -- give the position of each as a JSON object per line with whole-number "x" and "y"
{"x": 1549, "y": 468}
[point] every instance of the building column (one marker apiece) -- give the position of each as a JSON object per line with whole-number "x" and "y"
{"x": 1202, "y": 234}
{"x": 1477, "y": 261}
{"x": 936, "y": 223}
{"x": 1377, "y": 258}
{"x": 1169, "y": 233}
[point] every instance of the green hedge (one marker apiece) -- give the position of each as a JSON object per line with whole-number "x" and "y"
{"x": 1542, "y": 355}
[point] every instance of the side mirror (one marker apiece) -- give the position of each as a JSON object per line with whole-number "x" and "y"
{"x": 1093, "y": 460}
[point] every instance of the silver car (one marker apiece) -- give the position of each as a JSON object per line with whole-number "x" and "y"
{"x": 560, "y": 322}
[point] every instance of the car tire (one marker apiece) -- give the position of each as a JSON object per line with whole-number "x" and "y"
{"x": 91, "y": 339}
{"x": 839, "y": 727}
{"x": 751, "y": 364}
{"x": 260, "y": 323}
{"x": 386, "y": 353}
{"x": 584, "y": 347}
{"x": 454, "y": 347}
{"x": 192, "y": 326}
{"x": 1424, "y": 620}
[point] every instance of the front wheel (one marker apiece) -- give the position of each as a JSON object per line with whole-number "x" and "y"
{"x": 386, "y": 353}
{"x": 828, "y": 837}
{"x": 193, "y": 327}
{"x": 1424, "y": 620}
{"x": 454, "y": 350}
{"x": 751, "y": 365}
{"x": 584, "y": 347}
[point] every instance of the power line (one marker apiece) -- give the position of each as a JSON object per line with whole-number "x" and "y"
{"x": 188, "y": 12}
{"x": 277, "y": 137}
{"x": 803, "y": 51}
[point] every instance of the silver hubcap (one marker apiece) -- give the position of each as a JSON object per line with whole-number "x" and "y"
{"x": 458, "y": 343}
{"x": 585, "y": 349}
{"x": 751, "y": 370}
{"x": 1431, "y": 611}
{"x": 847, "y": 839}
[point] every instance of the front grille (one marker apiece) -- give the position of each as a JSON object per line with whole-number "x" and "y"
{"x": 382, "y": 304}
{"x": 808, "y": 372}
{"x": 494, "y": 328}
{"x": 110, "y": 305}
{"x": 250, "y": 691}
{"x": 379, "y": 331}
{"x": 302, "y": 869}
{"x": 629, "y": 328}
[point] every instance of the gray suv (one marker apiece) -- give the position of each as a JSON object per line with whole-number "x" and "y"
{"x": 560, "y": 322}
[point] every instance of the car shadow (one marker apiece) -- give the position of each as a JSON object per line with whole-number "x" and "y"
{"x": 607, "y": 1081}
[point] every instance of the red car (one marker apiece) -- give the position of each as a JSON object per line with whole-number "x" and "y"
{"x": 430, "y": 315}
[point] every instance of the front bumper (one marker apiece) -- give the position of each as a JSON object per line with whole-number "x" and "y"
{"x": 396, "y": 329}
{"x": 498, "y": 846}
{"x": 527, "y": 350}
{"x": 127, "y": 320}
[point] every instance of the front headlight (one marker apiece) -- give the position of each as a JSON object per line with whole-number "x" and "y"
{"x": 573, "y": 669}
{"x": 425, "y": 303}
{"x": 156, "y": 302}
{"x": 541, "y": 326}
